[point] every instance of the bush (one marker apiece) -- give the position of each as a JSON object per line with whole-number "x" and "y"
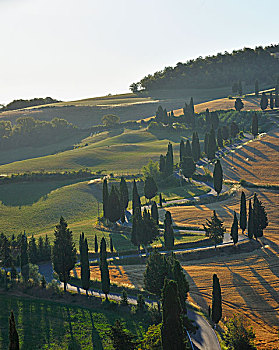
{"x": 74, "y": 345}
{"x": 54, "y": 287}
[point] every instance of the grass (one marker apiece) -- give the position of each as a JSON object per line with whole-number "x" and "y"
{"x": 50, "y": 325}
{"x": 126, "y": 152}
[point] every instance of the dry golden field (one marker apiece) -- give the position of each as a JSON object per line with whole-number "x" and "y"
{"x": 256, "y": 161}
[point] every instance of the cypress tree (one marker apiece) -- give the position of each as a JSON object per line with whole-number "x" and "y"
{"x": 243, "y": 213}
{"x": 271, "y": 101}
{"x": 124, "y": 197}
{"x": 260, "y": 220}
{"x": 114, "y": 208}
{"x": 136, "y": 228}
{"x": 41, "y": 249}
{"x": 182, "y": 284}
{"x": 160, "y": 200}
{"x": 5, "y": 251}
{"x": 255, "y": 127}
{"x": 104, "y": 268}
{"x": 23, "y": 251}
{"x": 216, "y": 313}
{"x": 172, "y": 332}
{"x": 182, "y": 150}
{"x": 154, "y": 213}
{"x": 188, "y": 150}
{"x": 218, "y": 177}
{"x": 191, "y": 106}
{"x": 105, "y": 198}
{"x": 13, "y": 335}
{"x": 188, "y": 167}
{"x": 234, "y": 129}
{"x": 196, "y": 149}
{"x": 205, "y": 144}
{"x": 264, "y": 101}
{"x": 168, "y": 231}
{"x": 220, "y": 140}
{"x": 234, "y": 229}
{"x": 149, "y": 230}
{"x": 211, "y": 145}
{"x": 250, "y": 221}
{"x": 170, "y": 150}
{"x": 84, "y": 262}
{"x": 256, "y": 88}
{"x": 32, "y": 250}
{"x": 150, "y": 188}
{"x": 64, "y": 252}
{"x": 96, "y": 244}
{"x": 47, "y": 249}
{"x": 136, "y": 205}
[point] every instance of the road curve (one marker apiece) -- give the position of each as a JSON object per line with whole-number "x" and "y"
{"x": 205, "y": 337}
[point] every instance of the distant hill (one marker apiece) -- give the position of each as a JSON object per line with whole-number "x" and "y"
{"x": 246, "y": 65}
{"x": 18, "y": 104}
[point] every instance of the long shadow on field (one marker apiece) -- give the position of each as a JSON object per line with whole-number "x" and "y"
{"x": 270, "y": 145}
{"x": 229, "y": 164}
{"x": 20, "y": 194}
{"x": 195, "y": 293}
{"x": 273, "y": 293}
{"x": 254, "y": 301}
{"x": 96, "y": 340}
{"x": 257, "y": 152}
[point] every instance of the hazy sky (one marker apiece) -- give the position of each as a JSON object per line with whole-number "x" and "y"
{"x": 76, "y": 49}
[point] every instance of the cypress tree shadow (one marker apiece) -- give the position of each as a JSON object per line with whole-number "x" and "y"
{"x": 96, "y": 339}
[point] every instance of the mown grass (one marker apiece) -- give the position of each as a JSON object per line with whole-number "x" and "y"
{"x": 49, "y": 325}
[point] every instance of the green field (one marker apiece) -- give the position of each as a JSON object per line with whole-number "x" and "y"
{"x": 126, "y": 152}
{"x": 49, "y": 325}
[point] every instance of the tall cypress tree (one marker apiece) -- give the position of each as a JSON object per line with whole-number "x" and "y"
{"x": 243, "y": 213}
{"x": 168, "y": 231}
{"x": 160, "y": 200}
{"x": 216, "y": 313}
{"x": 84, "y": 261}
{"x": 255, "y": 127}
{"x": 196, "y": 150}
{"x": 104, "y": 268}
{"x": 264, "y": 101}
{"x": 111, "y": 245}
{"x": 96, "y": 244}
{"x": 32, "y": 250}
{"x": 182, "y": 150}
{"x": 260, "y": 220}
{"x": 277, "y": 97}
{"x": 114, "y": 207}
{"x": 188, "y": 150}
{"x": 136, "y": 205}
{"x": 218, "y": 177}
{"x": 124, "y": 197}
{"x": 13, "y": 335}
{"x": 64, "y": 252}
{"x": 105, "y": 198}
{"x": 211, "y": 145}
{"x": 250, "y": 221}
{"x": 172, "y": 331}
{"x": 170, "y": 150}
{"x": 234, "y": 229}
{"x": 154, "y": 213}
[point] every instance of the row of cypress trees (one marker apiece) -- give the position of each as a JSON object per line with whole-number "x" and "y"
{"x": 166, "y": 162}
{"x": 116, "y": 201}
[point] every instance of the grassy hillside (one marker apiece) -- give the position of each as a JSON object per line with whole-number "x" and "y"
{"x": 50, "y": 325}
{"x": 127, "y": 151}
{"x": 89, "y": 112}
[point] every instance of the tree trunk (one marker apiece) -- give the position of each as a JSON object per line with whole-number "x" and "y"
{"x": 65, "y": 286}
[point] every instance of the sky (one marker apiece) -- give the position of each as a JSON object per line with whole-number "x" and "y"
{"x": 78, "y": 49}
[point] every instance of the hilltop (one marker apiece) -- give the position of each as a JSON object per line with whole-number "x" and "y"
{"x": 246, "y": 65}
